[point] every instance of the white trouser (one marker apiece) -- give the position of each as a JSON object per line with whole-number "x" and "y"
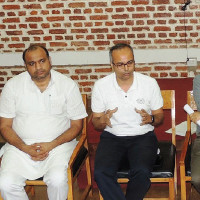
{"x": 12, "y": 185}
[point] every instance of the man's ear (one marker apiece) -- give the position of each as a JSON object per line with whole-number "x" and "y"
{"x": 50, "y": 61}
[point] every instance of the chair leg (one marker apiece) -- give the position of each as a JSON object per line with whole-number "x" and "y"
{"x": 183, "y": 183}
{"x": 1, "y": 197}
{"x": 100, "y": 197}
{"x": 172, "y": 189}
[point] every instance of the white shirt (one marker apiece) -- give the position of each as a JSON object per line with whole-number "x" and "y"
{"x": 39, "y": 117}
{"x": 143, "y": 94}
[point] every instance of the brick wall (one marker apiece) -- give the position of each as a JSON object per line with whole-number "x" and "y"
{"x": 91, "y": 25}
{"x": 86, "y": 75}
{"x": 97, "y": 25}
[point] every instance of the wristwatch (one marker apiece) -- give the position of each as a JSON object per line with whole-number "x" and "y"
{"x": 152, "y": 119}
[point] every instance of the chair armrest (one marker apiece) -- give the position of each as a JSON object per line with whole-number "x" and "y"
{"x": 76, "y": 151}
{"x": 185, "y": 147}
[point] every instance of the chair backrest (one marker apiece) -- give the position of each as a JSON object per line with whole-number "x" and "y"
{"x": 192, "y": 104}
{"x": 84, "y": 97}
{"x": 169, "y": 104}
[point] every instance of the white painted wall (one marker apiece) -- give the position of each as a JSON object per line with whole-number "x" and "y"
{"x": 102, "y": 57}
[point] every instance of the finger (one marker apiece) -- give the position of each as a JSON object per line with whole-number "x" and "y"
{"x": 114, "y": 110}
{"x": 137, "y": 111}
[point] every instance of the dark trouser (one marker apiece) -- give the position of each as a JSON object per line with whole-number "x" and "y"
{"x": 141, "y": 152}
{"x": 195, "y": 163}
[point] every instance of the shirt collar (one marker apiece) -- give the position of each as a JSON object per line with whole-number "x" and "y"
{"x": 133, "y": 86}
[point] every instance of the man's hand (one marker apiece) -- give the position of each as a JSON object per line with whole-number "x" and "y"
{"x": 146, "y": 118}
{"x": 105, "y": 119}
{"x": 195, "y": 116}
{"x": 38, "y": 151}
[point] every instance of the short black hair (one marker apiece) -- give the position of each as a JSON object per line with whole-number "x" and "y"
{"x": 119, "y": 46}
{"x": 34, "y": 47}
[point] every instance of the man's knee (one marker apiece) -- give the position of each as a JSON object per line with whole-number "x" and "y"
{"x": 8, "y": 182}
{"x": 100, "y": 174}
{"x": 56, "y": 178}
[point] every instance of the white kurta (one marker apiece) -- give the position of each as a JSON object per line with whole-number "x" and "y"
{"x": 39, "y": 117}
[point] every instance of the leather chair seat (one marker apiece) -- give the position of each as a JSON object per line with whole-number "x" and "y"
{"x": 163, "y": 167}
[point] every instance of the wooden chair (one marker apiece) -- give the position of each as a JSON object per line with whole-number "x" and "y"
{"x": 80, "y": 157}
{"x": 165, "y": 167}
{"x": 185, "y": 168}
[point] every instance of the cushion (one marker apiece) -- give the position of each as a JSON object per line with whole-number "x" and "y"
{"x": 163, "y": 167}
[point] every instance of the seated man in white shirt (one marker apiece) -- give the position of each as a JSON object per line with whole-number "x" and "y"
{"x": 41, "y": 114}
{"x": 126, "y": 105}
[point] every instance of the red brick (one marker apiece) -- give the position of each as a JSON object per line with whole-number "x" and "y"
{"x": 161, "y": 2}
{"x": 181, "y": 14}
{"x": 74, "y": 77}
{"x": 111, "y": 36}
{"x": 56, "y": 25}
{"x": 32, "y": 6}
{"x": 77, "y": 11}
{"x": 58, "y": 44}
{"x": 45, "y": 25}
{"x": 144, "y": 28}
{"x": 25, "y": 39}
{"x": 63, "y": 71}
{"x": 2, "y": 26}
{"x": 173, "y": 74}
{"x": 182, "y": 28}
{"x": 150, "y": 8}
{"x": 11, "y": 14}
{"x": 98, "y": 4}
{"x": 99, "y": 30}
{"x": 55, "y": 18}
{"x": 163, "y": 15}
{"x": 57, "y": 31}
{"x": 58, "y": 37}
{"x": 47, "y": 38}
{"x": 35, "y": 32}
{"x": 11, "y": 7}
{"x": 2, "y": 14}
{"x": 108, "y": 23}
{"x": 87, "y": 83}
{"x": 14, "y": 32}
{"x": 73, "y": 18}
{"x": 79, "y": 43}
{"x": 55, "y": 5}
{"x": 123, "y": 16}
{"x": 117, "y": 30}
{"x": 34, "y": 12}
{"x": 99, "y": 17}
{"x": 20, "y": 45}
{"x": 140, "y": 2}
{"x": 83, "y": 71}
{"x": 162, "y": 28}
{"x": 119, "y": 23}
{"x": 103, "y": 69}
{"x": 162, "y": 68}
{"x": 79, "y": 30}
{"x": 140, "y": 69}
{"x": 119, "y": 10}
{"x": 140, "y": 15}
{"x": 34, "y": 19}
{"x": 119, "y": 3}
{"x": 76, "y": 5}
{"x": 154, "y": 75}
{"x": 142, "y": 42}
{"x": 166, "y": 41}
{"x": 11, "y": 20}
{"x": 163, "y": 74}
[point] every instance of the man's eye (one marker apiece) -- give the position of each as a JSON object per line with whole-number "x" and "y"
{"x": 42, "y": 61}
{"x": 31, "y": 63}
{"x": 119, "y": 64}
{"x": 130, "y": 62}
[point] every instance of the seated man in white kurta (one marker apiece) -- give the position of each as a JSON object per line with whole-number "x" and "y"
{"x": 41, "y": 114}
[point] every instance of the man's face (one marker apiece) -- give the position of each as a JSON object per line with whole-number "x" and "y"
{"x": 123, "y": 63}
{"x": 38, "y": 64}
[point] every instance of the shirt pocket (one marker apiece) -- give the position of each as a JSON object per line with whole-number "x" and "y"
{"x": 57, "y": 105}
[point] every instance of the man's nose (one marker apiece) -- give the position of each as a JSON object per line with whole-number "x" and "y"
{"x": 37, "y": 65}
{"x": 125, "y": 67}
